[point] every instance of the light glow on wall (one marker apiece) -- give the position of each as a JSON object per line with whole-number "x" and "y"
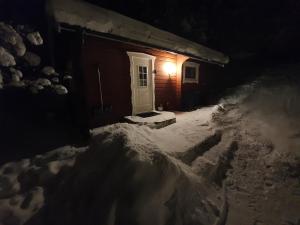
{"x": 170, "y": 68}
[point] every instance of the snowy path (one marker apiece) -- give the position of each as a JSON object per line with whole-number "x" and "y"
{"x": 190, "y": 129}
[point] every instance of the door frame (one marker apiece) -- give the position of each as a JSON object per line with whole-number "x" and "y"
{"x": 132, "y": 57}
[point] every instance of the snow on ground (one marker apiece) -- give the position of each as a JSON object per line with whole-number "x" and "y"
{"x": 263, "y": 183}
{"x": 124, "y": 177}
{"x": 234, "y": 163}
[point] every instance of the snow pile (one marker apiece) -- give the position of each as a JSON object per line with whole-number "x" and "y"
{"x": 269, "y": 107}
{"x": 264, "y": 118}
{"x": 122, "y": 178}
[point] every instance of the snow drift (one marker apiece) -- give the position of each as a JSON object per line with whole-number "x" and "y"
{"x": 123, "y": 178}
{"x": 269, "y": 107}
{"x": 135, "y": 175}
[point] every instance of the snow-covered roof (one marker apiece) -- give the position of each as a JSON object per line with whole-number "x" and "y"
{"x": 89, "y": 16}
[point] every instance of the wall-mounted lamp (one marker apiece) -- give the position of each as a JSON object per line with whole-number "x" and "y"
{"x": 170, "y": 68}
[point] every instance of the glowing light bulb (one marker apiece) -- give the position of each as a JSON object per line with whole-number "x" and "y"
{"x": 170, "y": 68}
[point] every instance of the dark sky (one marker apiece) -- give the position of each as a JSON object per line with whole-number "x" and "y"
{"x": 239, "y": 28}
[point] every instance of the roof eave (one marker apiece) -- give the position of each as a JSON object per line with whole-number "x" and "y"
{"x": 64, "y": 26}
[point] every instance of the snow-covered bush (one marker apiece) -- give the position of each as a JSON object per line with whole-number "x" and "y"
{"x": 1, "y": 80}
{"x": 32, "y": 59}
{"x": 60, "y": 89}
{"x": 48, "y": 70}
{"x": 35, "y": 38}
{"x": 12, "y": 40}
{"x": 6, "y": 59}
{"x": 22, "y": 68}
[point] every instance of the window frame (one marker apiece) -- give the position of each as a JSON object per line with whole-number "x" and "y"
{"x": 143, "y": 80}
{"x": 189, "y": 80}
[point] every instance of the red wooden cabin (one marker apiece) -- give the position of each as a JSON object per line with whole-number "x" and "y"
{"x": 125, "y": 67}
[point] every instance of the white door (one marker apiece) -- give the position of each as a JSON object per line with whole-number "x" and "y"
{"x": 142, "y": 82}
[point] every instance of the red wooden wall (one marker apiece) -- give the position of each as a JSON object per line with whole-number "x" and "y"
{"x": 209, "y": 76}
{"x": 113, "y": 61}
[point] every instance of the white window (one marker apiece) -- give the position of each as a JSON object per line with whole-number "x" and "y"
{"x": 190, "y": 72}
{"x": 143, "y": 76}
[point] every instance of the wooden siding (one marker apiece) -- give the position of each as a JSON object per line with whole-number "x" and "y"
{"x": 113, "y": 61}
{"x": 201, "y": 93}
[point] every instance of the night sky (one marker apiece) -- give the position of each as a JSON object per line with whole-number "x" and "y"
{"x": 238, "y": 28}
{"x": 241, "y": 29}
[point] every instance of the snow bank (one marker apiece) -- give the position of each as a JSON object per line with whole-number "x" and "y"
{"x": 122, "y": 178}
{"x": 269, "y": 107}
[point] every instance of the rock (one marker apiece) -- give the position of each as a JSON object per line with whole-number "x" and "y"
{"x": 35, "y": 38}
{"x": 6, "y": 59}
{"x": 32, "y": 59}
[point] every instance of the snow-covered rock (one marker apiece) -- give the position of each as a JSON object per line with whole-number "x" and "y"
{"x": 60, "y": 89}
{"x": 48, "y": 70}
{"x": 6, "y": 59}
{"x": 35, "y": 38}
{"x": 9, "y": 36}
{"x": 32, "y": 59}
